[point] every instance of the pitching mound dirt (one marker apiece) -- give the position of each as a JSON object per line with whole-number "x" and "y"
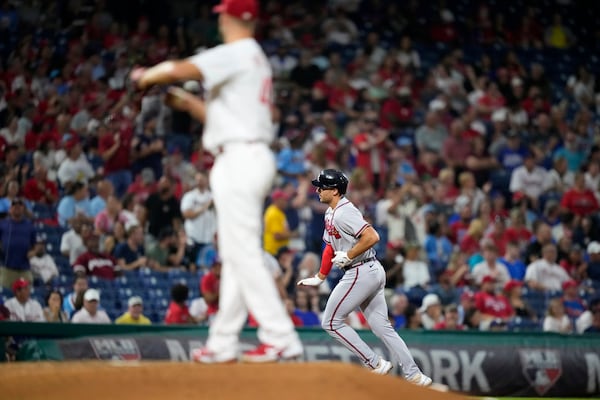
{"x": 166, "y": 381}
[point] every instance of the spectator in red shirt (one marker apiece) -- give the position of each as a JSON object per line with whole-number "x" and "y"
{"x": 459, "y": 228}
{"x": 499, "y": 207}
{"x": 94, "y": 262}
{"x": 492, "y": 305}
{"x": 574, "y": 263}
{"x": 451, "y": 320}
{"x": 178, "y": 311}
{"x": 456, "y": 149}
{"x": 209, "y": 287}
{"x": 498, "y": 235}
{"x": 38, "y": 189}
{"x": 371, "y": 147}
{"x": 444, "y": 30}
{"x": 2, "y": 147}
{"x": 446, "y": 187}
{"x": 579, "y": 199}
{"x": 517, "y": 231}
{"x": 143, "y": 186}
{"x": 114, "y": 148}
{"x": 342, "y": 96}
{"x": 397, "y": 112}
{"x": 491, "y": 101}
{"x": 467, "y": 234}
{"x": 529, "y": 34}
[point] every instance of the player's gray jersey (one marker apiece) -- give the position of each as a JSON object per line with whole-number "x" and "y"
{"x": 343, "y": 226}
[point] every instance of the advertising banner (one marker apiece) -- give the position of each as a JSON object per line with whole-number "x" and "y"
{"x": 490, "y": 368}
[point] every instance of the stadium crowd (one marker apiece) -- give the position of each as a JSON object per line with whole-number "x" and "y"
{"x": 470, "y": 132}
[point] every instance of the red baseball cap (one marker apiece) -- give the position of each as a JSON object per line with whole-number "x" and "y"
{"x": 569, "y": 283}
{"x": 71, "y": 143}
{"x": 279, "y": 194}
{"x": 246, "y": 10}
{"x": 510, "y": 285}
{"x": 467, "y": 295}
{"x": 488, "y": 279}
{"x": 19, "y": 284}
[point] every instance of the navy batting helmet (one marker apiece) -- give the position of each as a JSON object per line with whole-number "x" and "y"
{"x": 331, "y": 179}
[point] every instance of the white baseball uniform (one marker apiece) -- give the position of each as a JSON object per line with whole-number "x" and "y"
{"x": 361, "y": 286}
{"x": 238, "y": 130}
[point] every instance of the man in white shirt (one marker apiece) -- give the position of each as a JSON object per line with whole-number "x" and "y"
{"x": 491, "y": 266}
{"x": 75, "y": 167}
{"x": 90, "y": 314}
{"x": 200, "y": 219}
{"x": 71, "y": 243}
{"x": 22, "y": 307}
{"x": 529, "y": 179}
{"x": 545, "y": 273}
{"x": 42, "y": 263}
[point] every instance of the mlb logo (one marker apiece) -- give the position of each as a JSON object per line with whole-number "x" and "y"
{"x": 541, "y": 367}
{"x": 116, "y": 349}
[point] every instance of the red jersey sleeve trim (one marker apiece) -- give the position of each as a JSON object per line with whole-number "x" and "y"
{"x": 361, "y": 230}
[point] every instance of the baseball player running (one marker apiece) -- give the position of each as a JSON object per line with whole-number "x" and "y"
{"x": 349, "y": 242}
{"x": 238, "y": 130}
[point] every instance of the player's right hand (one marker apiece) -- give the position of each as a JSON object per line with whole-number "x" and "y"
{"x": 313, "y": 281}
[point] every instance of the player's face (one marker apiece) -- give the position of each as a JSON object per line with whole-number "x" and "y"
{"x": 325, "y": 195}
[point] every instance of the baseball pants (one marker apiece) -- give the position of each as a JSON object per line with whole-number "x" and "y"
{"x": 363, "y": 287}
{"x": 240, "y": 180}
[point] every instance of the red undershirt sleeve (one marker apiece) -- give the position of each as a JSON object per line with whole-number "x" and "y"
{"x": 326, "y": 258}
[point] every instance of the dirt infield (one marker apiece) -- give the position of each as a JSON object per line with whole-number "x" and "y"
{"x": 167, "y": 380}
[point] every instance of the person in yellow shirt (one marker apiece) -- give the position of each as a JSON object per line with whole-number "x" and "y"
{"x": 134, "y": 313}
{"x": 558, "y": 35}
{"x": 277, "y": 233}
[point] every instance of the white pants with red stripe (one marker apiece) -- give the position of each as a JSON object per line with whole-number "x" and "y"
{"x": 240, "y": 180}
{"x": 363, "y": 287}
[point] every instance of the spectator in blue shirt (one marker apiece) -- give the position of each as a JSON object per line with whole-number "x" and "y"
{"x": 76, "y": 202}
{"x": 593, "y": 265}
{"x": 104, "y": 189}
{"x": 18, "y": 237}
{"x": 12, "y": 191}
{"x": 513, "y": 154}
{"x": 571, "y": 152}
{"x": 291, "y": 160}
{"x": 306, "y": 309}
{"x": 130, "y": 254}
{"x": 74, "y": 300}
{"x": 512, "y": 261}
{"x": 438, "y": 248}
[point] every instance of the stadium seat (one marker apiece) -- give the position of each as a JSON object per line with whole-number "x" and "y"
{"x": 519, "y": 324}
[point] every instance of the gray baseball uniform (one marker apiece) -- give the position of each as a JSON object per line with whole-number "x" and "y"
{"x": 361, "y": 286}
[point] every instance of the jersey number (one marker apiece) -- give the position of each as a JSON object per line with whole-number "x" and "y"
{"x": 266, "y": 92}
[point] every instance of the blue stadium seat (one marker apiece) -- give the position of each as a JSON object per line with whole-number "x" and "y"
{"x": 519, "y": 324}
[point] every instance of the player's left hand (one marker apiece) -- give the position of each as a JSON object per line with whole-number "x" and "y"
{"x": 312, "y": 281}
{"x": 136, "y": 77}
{"x": 341, "y": 259}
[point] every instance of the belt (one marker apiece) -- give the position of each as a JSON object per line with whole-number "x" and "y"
{"x": 359, "y": 263}
{"x": 221, "y": 148}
